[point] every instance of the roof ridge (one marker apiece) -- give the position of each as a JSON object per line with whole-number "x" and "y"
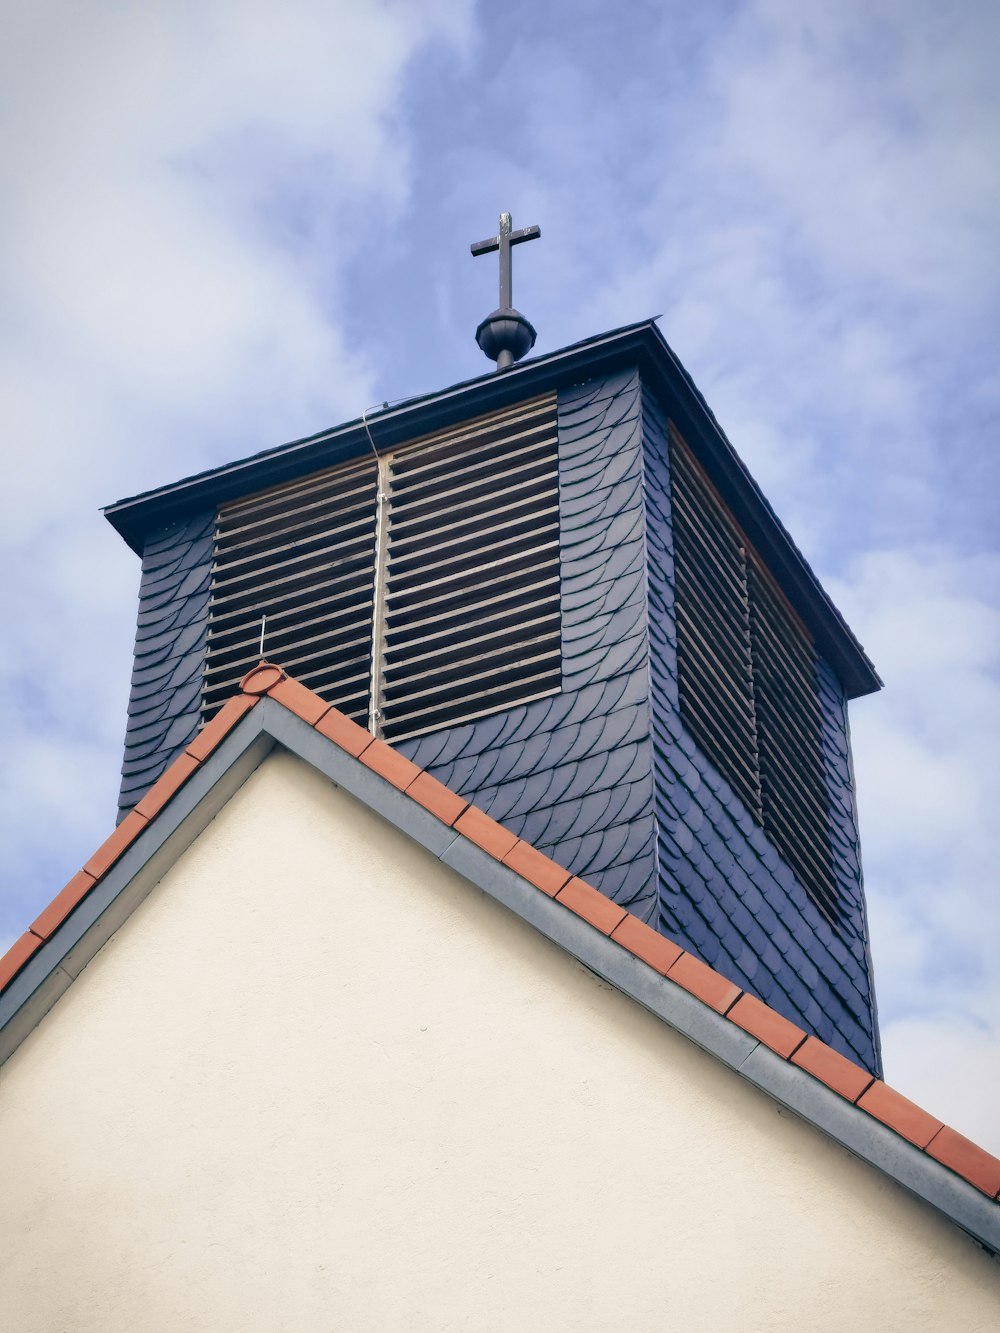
{"x": 843, "y": 1076}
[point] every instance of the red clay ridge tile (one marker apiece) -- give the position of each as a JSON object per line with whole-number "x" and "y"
{"x": 16, "y": 957}
{"x": 979, "y": 1167}
{"x": 389, "y": 764}
{"x": 220, "y": 726}
{"x": 62, "y": 904}
{"x": 536, "y": 868}
{"x": 832, "y": 1068}
{"x": 588, "y": 902}
{"x": 704, "y": 982}
{"x": 762, "y": 1022}
{"x": 168, "y": 785}
{"x": 485, "y": 832}
{"x": 261, "y": 678}
{"x": 646, "y": 943}
{"x": 119, "y": 842}
{"x": 298, "y": 700}
{"x": 900, "y": 1114}
{"x": 434, "y": 796}
{"x": 335, "y": 726}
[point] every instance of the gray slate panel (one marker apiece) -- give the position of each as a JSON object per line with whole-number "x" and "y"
{"x": 170, "y": 641}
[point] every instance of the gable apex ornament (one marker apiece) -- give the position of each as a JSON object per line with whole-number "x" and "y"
{"x": 505, "y": 335}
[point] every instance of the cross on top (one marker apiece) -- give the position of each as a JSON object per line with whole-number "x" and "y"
{"x": 503, "y": 242}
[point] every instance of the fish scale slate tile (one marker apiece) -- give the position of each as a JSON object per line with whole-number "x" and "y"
{"x": 175, "y": 572}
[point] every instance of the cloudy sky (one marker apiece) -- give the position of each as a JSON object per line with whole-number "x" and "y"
{"x": 231, "y": 223}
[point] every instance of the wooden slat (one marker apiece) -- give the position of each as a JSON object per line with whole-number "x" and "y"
{"x": 789, "y": 726}
{"x": 713, "y": 632}
{"x": 747, "y": 675}
{"x": 473, "y": 535}
{"x": 468, "y": 606}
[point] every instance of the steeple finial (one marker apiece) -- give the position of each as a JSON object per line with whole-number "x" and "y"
{"x": 505, "y": 335}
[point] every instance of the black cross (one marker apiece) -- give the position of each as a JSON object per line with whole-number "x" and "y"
{"x": 503, "y": 242}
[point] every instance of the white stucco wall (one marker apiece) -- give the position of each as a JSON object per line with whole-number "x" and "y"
{"x": 318, "y": 1082}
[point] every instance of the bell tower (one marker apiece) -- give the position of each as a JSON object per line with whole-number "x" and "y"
{"x": 559, "y": 590}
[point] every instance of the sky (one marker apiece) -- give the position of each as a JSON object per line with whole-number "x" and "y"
{"x": 230, "y": 224}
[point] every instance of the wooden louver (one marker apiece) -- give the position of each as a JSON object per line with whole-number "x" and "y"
{"x": 414, "y": 593}
{"x": 302, "y": 555}
{"x": 748, "y": 679}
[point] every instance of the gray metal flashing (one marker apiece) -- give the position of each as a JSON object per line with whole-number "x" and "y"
{"x": 49, "y": 973}
{"x": 355, "y": 777}
{"x": 875, "y": 1143}
{"x": 640, "y": 345}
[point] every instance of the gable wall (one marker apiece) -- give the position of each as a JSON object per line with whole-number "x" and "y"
{"x": 318, "y": 1080}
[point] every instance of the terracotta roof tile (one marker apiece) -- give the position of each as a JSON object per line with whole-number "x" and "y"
{"x": 261, "y": 678}
{"x": 62, "y": 904}
{"x": 768, "y": 1026}
{"x": 646, "y": 943}
{"x": 298, "y": 700}
{"x": 583, "y": 899}
{"x": 390, "y": 764}
{"x": 220, "y": 726}
{"x": 485, "y": 832}
{"x": 979, "y": 1167}
{"x": 434, "y": 796}
{"x": 832, "y": 1068}
{"x": 167, "y": 786}
{"x": 116, "y": 845}
{"x": 536, "y": 868}
{"x": 704, "y": 982}
{"x": 900, "y": 1114}
{"x": 337, "y": 727}
{"x": 16, "y": 957}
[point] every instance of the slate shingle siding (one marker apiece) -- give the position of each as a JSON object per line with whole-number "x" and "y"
{"x": 725, "y": 894}
{"x": 601, "y": 776}
{"x": 170, "y": 642}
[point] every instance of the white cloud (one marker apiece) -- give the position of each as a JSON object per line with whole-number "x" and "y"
{"x": 925, "y": 754}
{"x": 184, "y": 190}
{"x": 951, "y": 1067}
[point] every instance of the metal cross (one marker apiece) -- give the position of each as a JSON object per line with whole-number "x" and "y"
{"x": 503, "y": 242}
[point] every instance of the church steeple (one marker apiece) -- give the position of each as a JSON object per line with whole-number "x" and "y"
{"x": 581, "y": 614}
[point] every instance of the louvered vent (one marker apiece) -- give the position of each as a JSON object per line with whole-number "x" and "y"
{"x": 304, "y": 556}
{"x": 747, "y": 679}
{"x": 713, "y": 630}
{"x": 443, "y": 598}
{"x": 789, "y": 737}
{"x": 472, "y": 582}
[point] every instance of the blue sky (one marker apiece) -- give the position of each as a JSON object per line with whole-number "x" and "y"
{"x": 230, "y": 224}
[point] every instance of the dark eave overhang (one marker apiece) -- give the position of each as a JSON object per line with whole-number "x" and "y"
{"x": 641, "y": 345}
